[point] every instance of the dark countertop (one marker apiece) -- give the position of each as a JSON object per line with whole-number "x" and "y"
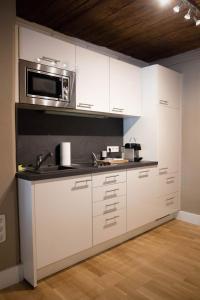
{"x": 30, "y": 176}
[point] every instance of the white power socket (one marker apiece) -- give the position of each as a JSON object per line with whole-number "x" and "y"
{"x": 2, "y": 228}
{"x": 112, "y": 149}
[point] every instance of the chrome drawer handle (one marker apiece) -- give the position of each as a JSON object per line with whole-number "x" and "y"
{"x": 165, "y": 102}
{"x": 168, "y": 199}
{"x": 118, "y": 109}
{"x": 110, "y": 210}
{"x": 112, "y": 191}
{"x": 115, "y": 203}
{"x": 87, "y": 105}
{"x": 112, "y": 176}
{"x": 49, "y": 59}
{"x": 111, "y": 221}
{"x": 113, "y": 218}
{"x": 170, "y": 180}
{"x": 81, "y": 181}
{"x": 163, "y": 171}
{"x": 143, "y": 176}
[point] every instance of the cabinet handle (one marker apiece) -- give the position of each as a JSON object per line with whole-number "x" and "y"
{"x": 163, "y": 171}
{"x": 168, "y": 199}
{"x": 114, "y": 219}
{"x": 49, "y": 59}
{"x": 165, "y": 102}
{"x": 170, "y": 180}
{"x": 85, "y": 180}
{"x": 112, "y": 176}
{"x": 111, "y": 209}
{"x": 112, "y": 191}
{"x": 143, "y": 174}
{"x": 118, "y": 109}
{"x": 115, "y": 203}
{"x": 86, "y": 105}
{"x": 81, "y": 186}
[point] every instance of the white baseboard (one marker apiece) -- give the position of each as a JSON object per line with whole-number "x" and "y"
{"x": 188, "y": 217}
{"x": 11, "y": 276}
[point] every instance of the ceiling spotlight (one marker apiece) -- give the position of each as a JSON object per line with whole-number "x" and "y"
{"x": 197, "y": 21}
{"x": 176, "y": 9}
{"x": 164, "y": 2}
{"x": 188, "y": 16}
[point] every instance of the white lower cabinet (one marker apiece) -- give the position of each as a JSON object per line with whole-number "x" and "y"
{"x": 141, "y": 197}
{"x": 60, "y": 218}
{"x": 63, "y": 218}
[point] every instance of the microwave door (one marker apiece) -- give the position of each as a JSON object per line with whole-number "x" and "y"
{"x": 44, "y": 85}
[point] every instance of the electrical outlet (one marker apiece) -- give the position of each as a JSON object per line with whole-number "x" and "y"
{"x": 112, "y": 149}
{"x": 2, "y": 228}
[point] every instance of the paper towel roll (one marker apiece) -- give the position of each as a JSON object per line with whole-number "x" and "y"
{"x": 65, "y": 154}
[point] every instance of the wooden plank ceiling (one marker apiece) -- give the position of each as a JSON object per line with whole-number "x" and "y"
{"x": 140, "y": 28}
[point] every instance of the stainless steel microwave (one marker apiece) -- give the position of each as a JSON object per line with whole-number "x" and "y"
{"x": 46, "y": 85}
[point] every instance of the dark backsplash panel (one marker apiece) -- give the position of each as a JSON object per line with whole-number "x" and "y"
{"x": 39, "y": 133}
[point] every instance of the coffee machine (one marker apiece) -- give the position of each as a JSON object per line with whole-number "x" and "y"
{"x": 132, "y": 152}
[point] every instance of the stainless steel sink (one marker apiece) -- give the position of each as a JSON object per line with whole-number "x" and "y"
{"x": 50, "y": 169}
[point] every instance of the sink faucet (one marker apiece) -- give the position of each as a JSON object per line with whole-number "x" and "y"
{"x": 95, "y": 160}
{"x": 40, "y": 159}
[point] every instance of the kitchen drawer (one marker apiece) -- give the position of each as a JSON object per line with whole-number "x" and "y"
{"x": 167, "y": 204}
{"x": 167, "y": 184}
{"x": 109, "y": 226}
{"x": 108, "y": 178}
{"x": 110, "y": 205}
{"x": 109, "y": 192}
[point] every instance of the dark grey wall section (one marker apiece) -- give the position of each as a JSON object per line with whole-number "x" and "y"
{"x": 39, "y": 133}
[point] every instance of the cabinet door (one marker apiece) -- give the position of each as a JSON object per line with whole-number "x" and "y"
{"x": 92, "y": 81}
{"x": 125, "y": 88}
{"x": 141, "y": 197}
{"x": 33, "y": 45}
{"x": 168, "y": 139}
{"x": 63, "y": 213}
{"x": 169, "y": 87}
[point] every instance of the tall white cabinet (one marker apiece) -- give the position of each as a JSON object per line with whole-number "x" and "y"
{"x": 159, "y": 132}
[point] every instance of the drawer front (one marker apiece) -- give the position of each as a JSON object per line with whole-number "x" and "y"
{"x": 108, "y": 206}
{"x": 171, "y": 203}
{"x": 166, "y": 205}
{"x": 109, "y": 192}
{"x": 108, "y": 178}
{"x": 109, "y": 226}
{"x": 167, "y": 184}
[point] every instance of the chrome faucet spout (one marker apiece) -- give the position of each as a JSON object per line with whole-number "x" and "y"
{"x": 40, "y": 159}
{"x": 95, "y": 160}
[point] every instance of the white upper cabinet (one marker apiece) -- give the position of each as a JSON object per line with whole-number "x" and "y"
{"x": 169, "y": 86}
{"x": 125, "y": 88}
{"x": 92, "y": 80}
{"x": 33, "y": 45}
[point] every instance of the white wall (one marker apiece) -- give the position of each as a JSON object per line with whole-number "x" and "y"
{"x": 189, "y": 64}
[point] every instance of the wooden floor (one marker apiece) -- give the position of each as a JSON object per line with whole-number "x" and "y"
{"x": 161, "y": 264}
